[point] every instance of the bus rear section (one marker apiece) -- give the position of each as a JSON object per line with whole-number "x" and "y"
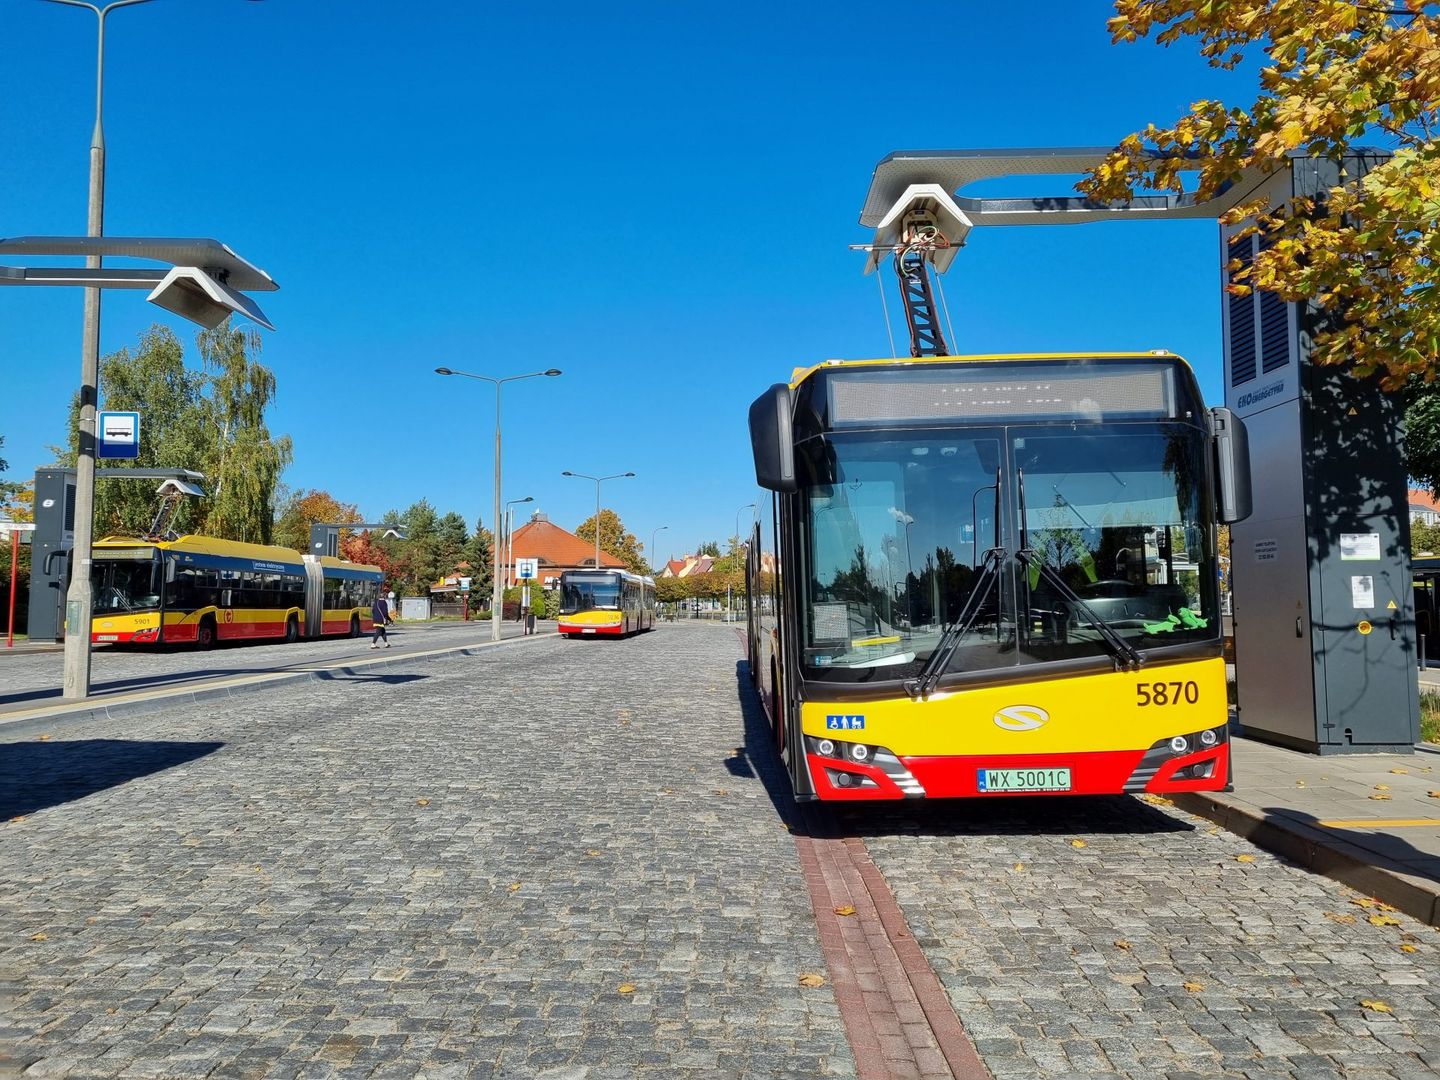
{"x": 999, "y": 578}
{"x": 605, "y": 603}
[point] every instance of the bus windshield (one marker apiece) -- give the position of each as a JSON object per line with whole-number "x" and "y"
{"x": 601, "y": 592}
{"x": 129, "y": 584}
{"x": 898, "y": 531}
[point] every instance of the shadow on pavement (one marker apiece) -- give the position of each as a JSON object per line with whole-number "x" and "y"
{"x": 758, "y": 754}
{"x": 35, "y": 775}
{"x": 330, "y": 676}
{"x": 1008, "y": 815}
{"x": 1360, "y": 844}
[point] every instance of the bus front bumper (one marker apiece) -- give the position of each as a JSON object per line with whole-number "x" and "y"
{"x": 1115, "y": 772}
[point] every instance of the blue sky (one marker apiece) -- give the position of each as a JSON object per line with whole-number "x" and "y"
{"x": 656, "y": 199}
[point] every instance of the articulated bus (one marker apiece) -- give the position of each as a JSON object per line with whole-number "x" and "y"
{"x": 993, "y": 575}
{"x": 199, "y": 590}
{"x": 605, "y": 602}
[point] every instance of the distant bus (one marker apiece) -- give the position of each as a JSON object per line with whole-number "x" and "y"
{"x": 199, "y": 590}
{"x": 605, "y": 602}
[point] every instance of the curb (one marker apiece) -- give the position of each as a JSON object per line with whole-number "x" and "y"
{"x": 1321, "y": 852}
{"x": 26, "y": 724}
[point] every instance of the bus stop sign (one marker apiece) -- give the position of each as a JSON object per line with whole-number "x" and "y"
{"x": 119, "y": 435}
{"x": 527, "y": 569}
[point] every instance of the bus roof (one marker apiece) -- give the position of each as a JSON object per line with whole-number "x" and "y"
{"x": 800, "y": 374}
{"x": 616, "y": 573}
{"x": 207, "y": 545}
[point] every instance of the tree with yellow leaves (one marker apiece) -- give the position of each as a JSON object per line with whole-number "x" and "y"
{"x": 1338, "y": 74}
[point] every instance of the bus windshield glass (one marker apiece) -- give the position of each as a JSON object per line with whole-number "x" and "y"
{"x": 600, "y": 592}
{"x": 128, "y": 584}
{"x": 898, "y": 531}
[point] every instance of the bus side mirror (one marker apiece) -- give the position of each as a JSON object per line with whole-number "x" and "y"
{"x": 772, "y": 439}
{"x": 169, "y": 571}
{"x": 1232, "y": 466}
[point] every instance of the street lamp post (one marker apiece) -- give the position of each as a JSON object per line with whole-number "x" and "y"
{"x": 654, "y": 533}
{"x": 497, "y": 598}
{"x": 78, "y": 597}
{"x": 729, "y": 589}
{"x": 597, "y": 479}
{"x": 509, "y": 541}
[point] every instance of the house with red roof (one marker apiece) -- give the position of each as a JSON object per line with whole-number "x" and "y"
{"x": 556, "y": 551}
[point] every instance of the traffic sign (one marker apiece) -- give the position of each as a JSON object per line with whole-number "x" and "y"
{"x": 464, "y": 584}
{"x": 119, "y": 434}
{"x": 527, "y": 569}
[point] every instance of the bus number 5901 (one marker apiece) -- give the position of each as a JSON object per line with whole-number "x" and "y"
{"x": 1167, "y": 693}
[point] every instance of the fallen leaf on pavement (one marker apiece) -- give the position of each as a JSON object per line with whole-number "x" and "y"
{"x": 1194, "y": 987}
{"x": 44, "y": 738}
{"x": 1019, "y": 867}
{"x": 1383, "y": 920}
{"x": 1346, "y": 918}
{"x": 1299, "y": 783}
{"x": 1407, "y": 947}
{"x": 1122, "y": 944}
{"x": 515, "y": 886}
{"x": 848, "y": 909}
{"x": 1244, "y": 858}
{"x": 593, "y": 852}
{"x": 1375, "y": 1006}
{"x": 1400, "y": 772}
{"x": 422, "y": 802}
{"x": 40, "y": 937}
{"x": 1364, "y": 901}
{"x": 811, "y": 979}
{"x": 1157, "y": 800}
{"x": 1382, "y": 787}
{"x": 625, "y": 988}
{"x": 1380, "y": 796}
{"x": 1077, "y": 843}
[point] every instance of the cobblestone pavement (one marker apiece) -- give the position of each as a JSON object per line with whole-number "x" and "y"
{"x": 28, "y": 679}
{"x": 449, "y": 868}
{"x": 1108, "y": 937}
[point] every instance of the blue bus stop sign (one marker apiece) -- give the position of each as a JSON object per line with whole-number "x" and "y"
{"x": 119, "y": 435}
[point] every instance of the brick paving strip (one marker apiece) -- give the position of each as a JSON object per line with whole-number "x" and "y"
{"x": 897, "y": 1016}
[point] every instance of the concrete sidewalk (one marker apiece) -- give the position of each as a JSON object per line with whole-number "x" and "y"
{"x": 1371, "y": 821}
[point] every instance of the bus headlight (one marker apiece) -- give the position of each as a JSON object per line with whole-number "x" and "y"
{"x": 1208, "y": 737}
{"x": 859, "y": 751}
{"x": 826, "y": 747}
{"x": 1179, "y": 744}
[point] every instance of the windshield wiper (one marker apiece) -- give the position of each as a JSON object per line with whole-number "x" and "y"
{"x": 1126, "y": 656}
{"x": 985, "y": 583}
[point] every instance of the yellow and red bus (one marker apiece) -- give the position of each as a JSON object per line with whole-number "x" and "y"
{"x": 200, "y": 590}
{"x": 605, "y": 603}
{"x": 993, "y": 575}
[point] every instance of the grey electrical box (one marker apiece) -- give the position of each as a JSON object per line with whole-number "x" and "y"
{"x": 50, "y": 555}
{"x": 1324, "y": 614}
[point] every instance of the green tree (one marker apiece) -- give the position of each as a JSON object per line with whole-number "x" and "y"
{"x": 614, "y": 540}
{"x": 211, "y": 420}
{"x": 479, "y": 554}
{"x": 170, "y": 398}
{"x": 247, "y": 462}
{"x": 1335, "y": 72}
{"x": 710, "y": 547}
{"x": 1424, "y": 539}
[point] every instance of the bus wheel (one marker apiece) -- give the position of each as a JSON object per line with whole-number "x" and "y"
{"x": 205, "y": 633}
{"x": 292, "y": 630}
{"x": 354, "y": 625}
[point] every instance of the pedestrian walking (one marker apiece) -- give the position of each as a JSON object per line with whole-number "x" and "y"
{"x": 380, "y": 616}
